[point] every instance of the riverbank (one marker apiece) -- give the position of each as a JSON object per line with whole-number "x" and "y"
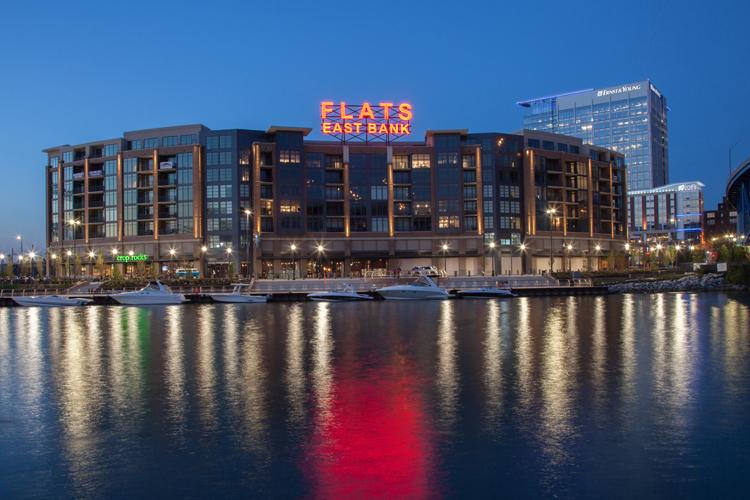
{"x": 689, "y": 283}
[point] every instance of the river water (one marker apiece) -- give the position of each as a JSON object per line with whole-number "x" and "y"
{"x": 621, "y": 396}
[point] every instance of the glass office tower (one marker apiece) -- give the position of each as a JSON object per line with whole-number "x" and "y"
{"x": 630, "y": 119}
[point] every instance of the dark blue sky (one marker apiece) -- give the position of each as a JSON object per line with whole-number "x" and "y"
{"x": 77, "y": 71}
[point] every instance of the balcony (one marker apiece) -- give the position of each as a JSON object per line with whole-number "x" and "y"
{"x": 145, "y": 183}
{"x": 167, "y": 196}
{"x": 96, "y": 173}
{"x": 146, "y": 197}
{"x": 168, "y": 180}
{"x": 95, "y": 187}
{"x": 78, "y": 176}
{"x": 97, "y": 218}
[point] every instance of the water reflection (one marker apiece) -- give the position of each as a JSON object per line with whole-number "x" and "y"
{"x": 525, "y": 396}
{"x": 447, "y": 375}
{"x": 493, "y": 367}
{"x": 295, "y": 365}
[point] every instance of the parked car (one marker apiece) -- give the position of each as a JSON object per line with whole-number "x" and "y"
{"x": 426, "y": 270}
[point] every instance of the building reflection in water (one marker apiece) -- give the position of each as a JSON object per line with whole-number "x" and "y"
{"x": 493, "y": 366}
{"x": 253, "y": 377}
{"x": 80, "y": 394}
{"x": 599, "y": 353}
{"x": 370, "y": 435}
{"x": 628, "y": 359}
{"x": 295, "y": 366}
{"x": 524, "y": 359}
{"x": 206, "y": 369}
{"x": 174, "y": 370}
{"x": 447, "y": 375}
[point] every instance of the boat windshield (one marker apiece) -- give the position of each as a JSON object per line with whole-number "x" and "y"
{"x": 155, "y": 286}
{"x": 423, "y": 281}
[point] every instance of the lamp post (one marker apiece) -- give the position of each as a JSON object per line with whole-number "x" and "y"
{"x": 91, "y": 260}
{"x": 293, "y": 248}
{"x": 550, "y": 213}
{"x": 569, "y": 248}
{"x": 444, "y": 248}
{"x": 521, "y": 252}
{"x": 114, "y": 258}
{"x": 74, "y": 223}
{"x": 172, "y": 253}
{"x": 492, "y": 250}
{"x": 53, "y": 256}
{"x": 229, "y": 258}
{"x": 20, "y": 238}
{"x": 32, "y": 255}
{"x": 2, "y": 259}
{"x": 319, "y": 249}
{"x": 204, "y": 249}
{"x": 248, "y": 241}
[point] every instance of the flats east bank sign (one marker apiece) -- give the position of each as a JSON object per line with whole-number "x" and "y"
{"x": 381, "y": 122}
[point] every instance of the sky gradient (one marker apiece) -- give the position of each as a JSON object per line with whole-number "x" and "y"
{"x": 79, "y": 71}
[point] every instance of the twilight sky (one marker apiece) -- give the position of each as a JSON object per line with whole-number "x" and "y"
{"x": 72, "y": 71}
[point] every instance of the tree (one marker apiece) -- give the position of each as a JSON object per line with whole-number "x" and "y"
{"x": 116, "y": 273}
{"x": 100, "y": 266}
{"x": 40, "y": 267}
{"x": 78, "y": 265}
{"x": 9, "y": 268}
{"x": 140, "y": 269}
{"x": 670, "y": 255}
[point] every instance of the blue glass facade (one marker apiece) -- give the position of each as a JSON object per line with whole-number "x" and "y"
{"x": 630, "y": 119}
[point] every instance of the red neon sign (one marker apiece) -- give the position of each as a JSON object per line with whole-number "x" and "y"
{"x": 384, "y": 121}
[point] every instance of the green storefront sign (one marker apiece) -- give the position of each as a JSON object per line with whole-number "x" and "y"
{"x": 139, "y": 257}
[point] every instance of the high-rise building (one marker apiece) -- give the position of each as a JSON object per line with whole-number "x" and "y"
{"x": 630, "y": 119}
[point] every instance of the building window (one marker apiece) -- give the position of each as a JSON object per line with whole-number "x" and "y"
{"x": 448, "y": 222}
{"x": 289, "y": 207}
{"x": 169, "y": 141}
{"x": 420, "y": 161}
{"x": 289, "y": 156}
{"x": 188, "y": 139}
{"x": 379, "y": 192}
{"x": 401, "y": 162}
{"x": 223, "y": 158}
{"x": 68, "y": 156}
{"x": 379, "y": 224}
{"x": 111, "y": 149}
{"x": 470, "y": 223}
{"x": 533, "y": 143}
{"x": 151, "y": 143}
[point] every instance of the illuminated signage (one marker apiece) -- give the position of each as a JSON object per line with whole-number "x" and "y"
{"x": 384, "y": 121}
{"x": 618, "y": 90}
{"x": 139, "y": 257}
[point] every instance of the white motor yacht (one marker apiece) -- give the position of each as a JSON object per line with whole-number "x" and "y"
{"x": 347, "y": 293}
{"x": 422, "y": 288}
{"x": 50, "y": 301}
{"x": 485, "y": 293}
{"x": 239, "y": 295}
{"x": 155, "y": 293}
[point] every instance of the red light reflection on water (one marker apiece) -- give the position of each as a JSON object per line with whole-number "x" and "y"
{"x": 372, "y": 441}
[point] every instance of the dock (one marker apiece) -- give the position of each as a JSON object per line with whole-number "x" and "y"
{"x": 295, "y": 290}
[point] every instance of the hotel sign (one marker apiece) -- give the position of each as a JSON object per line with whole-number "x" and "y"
{"x": 138, "y": 257}
{"x": 366, "y": 122}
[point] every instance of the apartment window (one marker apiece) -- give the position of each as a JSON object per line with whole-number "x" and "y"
{"x": 448, "y": 222}
{"x": 533, "y": 143}
{"x": 401, "y": 162}
{"x": 514, "y": 191}
{"x": 575, "y": 150}
{"x": 289, "y": 156}
{"x": 68, "y": 156}
{"x": 135, "y": 144}
{"x": 487, "y": 191}
{"x": 470, "y": 192}
{"x": 379, "y": 224}
{"x": 489, "y": 223}
{"x": 420, "y": 161}
{"x": 548, "y": 145}
{"x": 188, "y": 139}
{"x": 151, "y": 143}
{"x": 111, "y": 149}
{"x": 470, "y": 223}
{"x": 289, "y": 207}
{"x": 169, "y": 141}
{"x": 562, "y": 147}
{"x": 488, "y": 207}
{"x": 379, "y": 192}
{"x": 400, "y": 193}
{"x": 216, "y": 158}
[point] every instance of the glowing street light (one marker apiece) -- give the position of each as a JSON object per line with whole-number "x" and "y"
{"x": 492, "y": 250}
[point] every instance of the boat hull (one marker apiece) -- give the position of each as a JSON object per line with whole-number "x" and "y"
{"x": 485, "y": 294}
{"x": 409, "y": 294}
{"x": 50, "y": 301}
{"x": 232, "y": 298}
{"x": 338, "y": 297}
{"x": 153, "y": 300}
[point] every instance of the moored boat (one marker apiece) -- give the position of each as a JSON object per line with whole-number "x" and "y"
{"x": 485, "y": 293}
{"x": 155, "y": 293}
{"x": 239, "y": 295}
{"x": 50, "y": 301}
{"x": 346, "y": 294}
{"x": 423, "y": 288}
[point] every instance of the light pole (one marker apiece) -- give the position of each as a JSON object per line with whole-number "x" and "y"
{"x": 74, "y": 223}
{"x": 293, "y": 248}
{"x": 492, "y": 251}
{"x": 172, "y": 253}
{"x": 20, "y": 238}
{"x": 204, "y": 249}
{"x": 91, "y": 261}
{"x": 53, "y": 256}
{"x": 319, "y": 249}
{"x": 521, "y": 251}
{"x": 248, "y": 241}
{"x": 68, "y": 253}
{"x": 444, "y": 248}
{"x": 114, "y": 258}
{"x": 569, "y": 248}
{"x": 229, "y": 259}
{"x": 2, "y": 259}
{"x": 32, "y": 255}
{"x": 550, "y": 213}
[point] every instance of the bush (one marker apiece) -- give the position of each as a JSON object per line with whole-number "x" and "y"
{"x": 739, "y": 274}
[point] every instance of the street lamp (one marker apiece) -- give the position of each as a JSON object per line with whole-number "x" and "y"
{"x": 20, "y": 238}
{"x": 444, "y": 248}
{"x": 248, "y": 242}
{"x": 204, "y": 272}
{"x": 551, "y": 212}
{"x": 319, "y": 249}
{"x": 492, "y": 250}
{"x": 293, "y": 248}
{"x": 569, "y": 247}
{"x": 172, "y": 253}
